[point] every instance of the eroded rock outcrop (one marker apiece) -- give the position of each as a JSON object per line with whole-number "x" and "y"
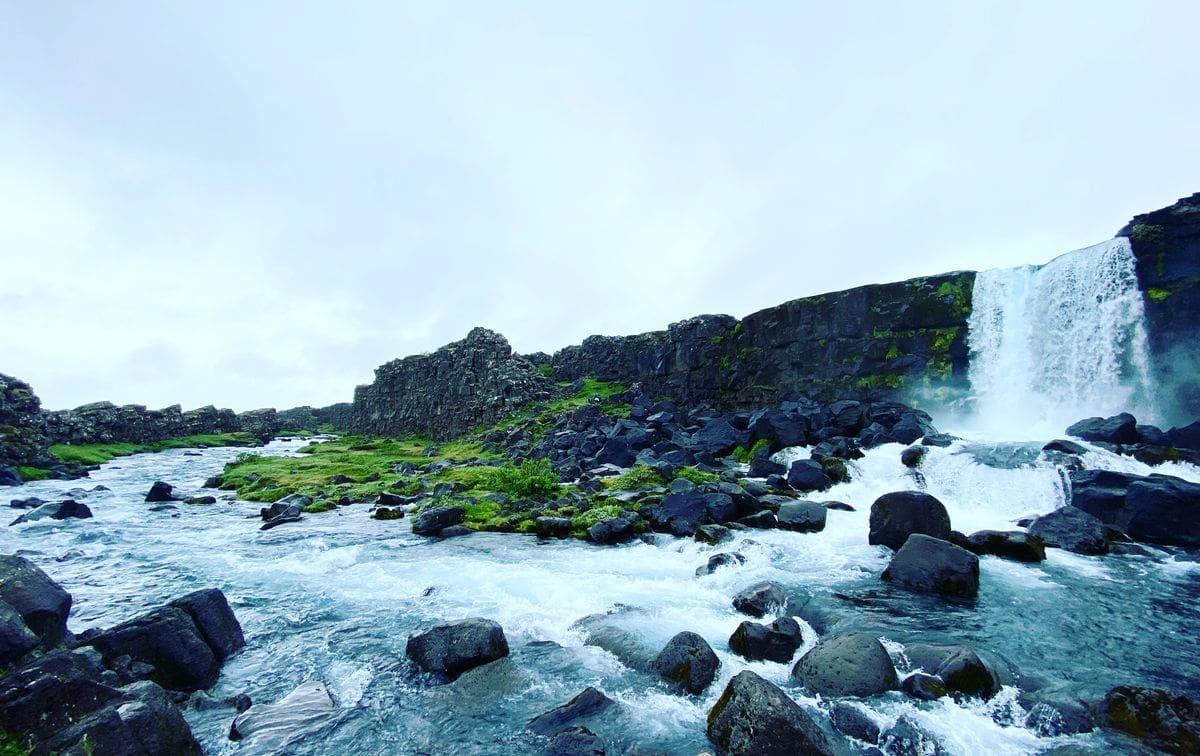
{"x": 23, "y": 441}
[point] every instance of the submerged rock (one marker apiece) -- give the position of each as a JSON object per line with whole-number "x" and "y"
{"x": 725, "y": 558}
{"x": 854, "y": 664}
{"x": 59, "y": 510}
{"x": 587, "y": 704}
{"x": 268, "y": 728}
{"x": 1072, "y": 529}
{"x": 1010, "y": 545}
{"x": 452, "y": 648}
{"x": 855, "y": 720}
{"x": 760, "y": 599}
{"x": 898, "y": 515}
{"x": 688, "y": 662}
{"x": 931, "y": 565}
{"x": 959, "y": 668}
{"x": 162, "y": 491}
{"x": 1166, "y": 722}
{"x": 802, "y": 516}
{"x": 754, "y": 717}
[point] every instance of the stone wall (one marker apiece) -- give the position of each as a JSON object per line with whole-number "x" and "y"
{"x": 441, "y": 395}
{"x": 22, "y": 439}
{"x": 1166, "y": 245}
{"x": 311, "y": 418}
{"x": 107, "y": 423}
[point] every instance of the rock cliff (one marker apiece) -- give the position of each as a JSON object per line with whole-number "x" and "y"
{"x": 441, "y": 395}
{"x": 22, "y": 438}
{"x": 1166, "y": 245}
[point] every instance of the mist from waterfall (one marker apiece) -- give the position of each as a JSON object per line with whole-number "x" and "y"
{"x": 1056, "y": 343}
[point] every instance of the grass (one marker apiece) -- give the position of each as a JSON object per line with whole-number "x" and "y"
{"x": 744, "y": 455}
{"x": 97, "y": 454}
{"x": 532, "y": 478}
{"x": 699, "y": 477}
{"x": 638, "y": 476}
{"x": 32, "y": 473}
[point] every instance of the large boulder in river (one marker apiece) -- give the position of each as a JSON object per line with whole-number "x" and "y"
{"x": 1072, "y": 529}
{"x": 1156, "y": 509}
{"x": 959, "y": 667}
{"x": 1166, "y": 722}
{"x": 754, "y": 717}
{"x": 776, "y": 642}
{"x": 896, "y": 516}
{"x": 58, "y": 510}
{"x": 168, "y": 640}
{"x": 41, "y": 602}
{"x": 162, "y": 491}
{"x": 452, "y": 648}
{"x": 688, "y": 662}
{"x": 808, "y": 475}
{"x": 214, "y": 618}
{"x": 269, "y": 728}
{"x": 931, "y": 565}
{"x": 760, "y": 598}
{"x": 433, "y": 520}
{"x": 854, "y": 664}
{"x": 801, "y": 516}
{"x": 1021, "y": 547}
{"x": 681, "y": 513}
{"x": 1118, "y": 429}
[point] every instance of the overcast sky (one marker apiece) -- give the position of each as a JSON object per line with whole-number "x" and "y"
{"x": 255, "y": 204}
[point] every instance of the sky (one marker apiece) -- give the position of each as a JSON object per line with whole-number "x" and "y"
{"x": 256, "y": 204}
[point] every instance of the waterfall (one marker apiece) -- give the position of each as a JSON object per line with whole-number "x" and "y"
{"x": 1056, "y": 343}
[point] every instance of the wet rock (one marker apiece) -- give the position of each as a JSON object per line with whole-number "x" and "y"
{"x": 1166, "y": 722}
{"x": 575, "y": 741}
{"x": 454, "y": 647}
{"x": 218, "y": 625}
{"x": 853, "y": 664}
{"x": 755, "y": 717}
{"x": 200, "y": 500}
{"x": 1072, "y": 529}
{"x": 1021, "y": 547}
{"x": 269, "y": 728}
{"x": 913, "y": 455}
{"x": 387, "y": 513}
{"x": 59, "y": 510}
{"x": 688, "y": 662}
{"x": 1118, "y": 429}
{"x": 431, "y": 521}
{"x": 776, "y": 642}
{"x": 762, "y": 466}
{"x": 760, "y": 599}
{"x": 51, "y": 693}
{"x": 931, "y": 565}
{"x": 16, "y": 639}
{"x": 1186, "y": 437}
{"x": 681, "y": 513}
{"x": 1065, "y": 446}
{"x": 839, "y": 506}
{"x": 896, "y": 516}
{"x": 587, "y": 704}
{"x": 169, "y": 641}
{"x": 960, "y": 669}
{"x": 287, "y": 509}
{"x": 716, "y": 561}
{"x": 713, "y": 534}
{"x": 42, "y": 604}
{"x": 854, "y": 720}
{"x": 808, "y": 475}
{"x": 455, "y": 531}
{"x": 145, "y": 721}
{"x": 32, "y": 502}
{"x": 1164, "y": 510}
{"x": 764, "y": 520}
{"x": 923, "y": 687}
{"x": 802, "y": 516}
{"x": 906, "y": 738}
{"x": 552, "y": 527}
{"x": 615, "y": 529}
{"x": 162, "y": 491}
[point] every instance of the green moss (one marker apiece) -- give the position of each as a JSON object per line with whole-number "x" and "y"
{"x": 1157, "y": 295}
{"x": 638, "y": 476}
{"x": 320, "y": 506}
{"x": 724, "y": 363}
{"x": 893, "y": 351}
{"x": 737, "y": 329}
{"x": 33, "y": 473}
{"x": 545, "y": 369}
{"x": 699, "y": 477}
{"x": 581, "y": 522}
{"x": 97, "y": 454}
{"x": 13, "y": 745}
{"x": 943, "y": 338}
{"x": 744, "y": 455}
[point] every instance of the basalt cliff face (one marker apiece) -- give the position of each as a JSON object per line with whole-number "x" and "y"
{"x": 1166, "y": 245}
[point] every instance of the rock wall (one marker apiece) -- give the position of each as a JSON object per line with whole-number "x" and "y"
{"x": 22, "y": 438}
{"x": 1166, "y": 245}
{"x": 879, "y": 342}
{"x": 311, "y": 418}
{"x": 441, "y": 395}
{"x": 107, "y": 423}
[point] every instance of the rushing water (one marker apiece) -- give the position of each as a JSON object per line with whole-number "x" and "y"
{"x": 334, "y": 598}
{"x": 1055, "y": 343}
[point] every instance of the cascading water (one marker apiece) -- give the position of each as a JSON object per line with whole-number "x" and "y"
{"x": 1055, "y": 343}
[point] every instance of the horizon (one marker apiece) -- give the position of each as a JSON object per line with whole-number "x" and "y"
{"x": 258, "y": 207}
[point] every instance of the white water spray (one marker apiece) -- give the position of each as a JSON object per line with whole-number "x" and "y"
{"x": 1056, "y": 343}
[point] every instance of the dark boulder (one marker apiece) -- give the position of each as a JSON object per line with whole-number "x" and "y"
{"x": 431, "y": 521}
{"x": 1065, "y": 446}
{"x": 552, "y": 527}
{"x": 913, "y": 455}
{"x": 959, "y": 668}
{"x": 218, "y": 625}
{"x": 912, "y": 427}
{"x": 755, "y": 718}
{"x": 681, "y": 513}
{"x": 454, "y": 531}
{"x": 387, "y": 513}
{"x": 713, "y": 534}
{"x": 1163, "y": 509}
{"x": 855, "y": 720}
{"x": 760, "y": 599}
{"x": 59, "y": 510}
{"x": 162, "y": 491}
{"x": 847, "y": 417}
{"x": 764, "y": 520}
{"x": 1187, "y": 437}
{"x": 923, "y": 687}
{"x": 287, "y": 509}
{"x": 9, "y": 476}
{"x": 1166, "y": 722}
{"x": 761, "y": 466}
{"x": 719, "y": 560}
{"x": 808, "y": 475}
{"x": 1118, "y": 429}
{"x": 614, "y": 530}
{"x": 781, "y": 428}
{"x": 270, "y": 728}
{"x": 898, "y": 515}
{"x": 575, "y": 741}
{"x": 906, "y": 738}
{"x": 145, "y": 722}
{"x": 169, "y": 642}
{"x": 718, "y": 438}
{"x": 1101, "y": 493}
{"x": 688, "y": 662}
{"x": 52, "y": 692}
{"x": 616, "y": 451}
{"x": 931, "y": 565}
{"x": 454, "y": 647}
{"x": 1072, "y": 529}
{"x": 587, "y": 704}
{"x": 776, "y": 642}
{"x": 1008, "y": 544}
{"x": 16, "y": 639}
{"x": 802, "y": 516}
{"x": 32, "y": 502}
{"x": 854, "y": 664}
{"x": 41, "y": 602}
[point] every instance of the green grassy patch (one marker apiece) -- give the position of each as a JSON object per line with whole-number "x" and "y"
{"x": 531, "y": 478}
{"x": 699, "y": 477}
{"x": 1156, "y": 294}
{"x": 33, "y": 473}
{"x": 638, "y": 476}
{"x": 744, "y": 455}
{"x": 97, "y": 454}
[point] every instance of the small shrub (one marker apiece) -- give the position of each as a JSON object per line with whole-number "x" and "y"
{"x": 532, "y": 478}
{"x": 638, "y": 476}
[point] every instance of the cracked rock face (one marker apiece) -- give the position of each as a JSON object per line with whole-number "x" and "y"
{"x": 22, "y": 440}
{"x": 441, "y": 395}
